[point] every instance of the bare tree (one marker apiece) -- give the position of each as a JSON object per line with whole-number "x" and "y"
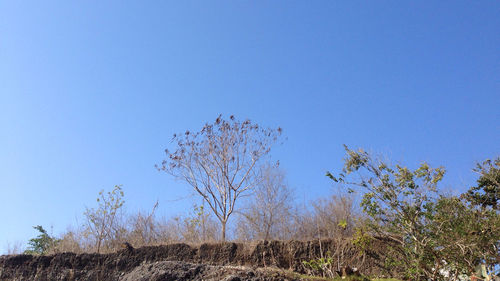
{"x": 334, "y": 216}
{"x": 14, "y": 248}
{"x": 219, "y": 162}
{"x": 73, "y": 240}
{"x": 269, "y": 212}
{"x": 143, "y": 228}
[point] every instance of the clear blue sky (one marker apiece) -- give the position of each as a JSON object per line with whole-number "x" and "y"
{"x": 91, "y": 92}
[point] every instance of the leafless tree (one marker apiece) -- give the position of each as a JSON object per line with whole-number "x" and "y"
{"x": 268, "y": 214}
{"x": 335, "y": 216}
{"x": 14, "y": 248}
{"x": 219, "y": 162}
{"x": 73, "y": 241}
{"x": 144, "y": 229}
{"x": 329, "y": 217}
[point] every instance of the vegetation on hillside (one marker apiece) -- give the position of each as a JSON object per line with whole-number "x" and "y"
{"x": 430, "y": 235}
{"x": 41, "y": 244}
{"x": 435, "y": 237}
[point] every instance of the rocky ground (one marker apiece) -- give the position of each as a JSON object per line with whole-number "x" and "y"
{"x": 174, "y": 270}
{"x": 158, "y": 271}
{"x": 266, "y": 260}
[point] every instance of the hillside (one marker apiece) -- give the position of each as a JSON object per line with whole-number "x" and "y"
{"x": 266, "y": 260}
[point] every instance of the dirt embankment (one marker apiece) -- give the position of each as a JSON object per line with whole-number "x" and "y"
{"x": 219, "y": 261}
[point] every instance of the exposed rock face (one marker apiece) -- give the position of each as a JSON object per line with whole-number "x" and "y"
{"x": 174, "y": 270}
{"x": 220, "y": 261}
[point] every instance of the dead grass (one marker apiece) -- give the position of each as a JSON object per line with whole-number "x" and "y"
{"x": 319, "y": 278}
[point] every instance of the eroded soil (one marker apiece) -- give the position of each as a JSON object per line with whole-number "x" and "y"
{"x": 219, "y": 261}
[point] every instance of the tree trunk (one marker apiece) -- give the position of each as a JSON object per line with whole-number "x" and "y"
{"x": 223, "y": 230}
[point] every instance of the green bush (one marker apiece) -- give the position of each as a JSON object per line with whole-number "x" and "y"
{"x": 42, "y": 243}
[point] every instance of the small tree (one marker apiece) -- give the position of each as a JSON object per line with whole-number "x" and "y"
{"x": 42, "y": 243}
{"x": 102, "y": 222}
{"x": 219, "y": 162}
{"x": 268, "y": 213}
{"x": 198, "y": 226}
{"x": 397, "y": 199}
{"x": 433, "y": 234}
